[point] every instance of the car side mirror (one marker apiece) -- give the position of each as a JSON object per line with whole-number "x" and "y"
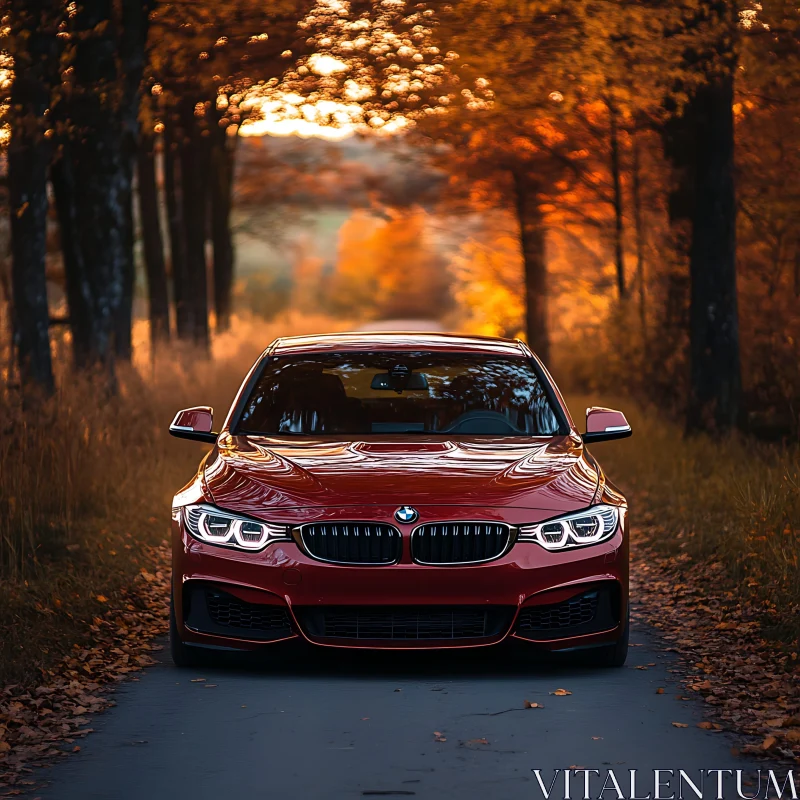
{"x": 194, "y": 423}
{"x": 605, "y": 424}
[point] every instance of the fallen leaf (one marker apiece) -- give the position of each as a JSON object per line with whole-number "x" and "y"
{"x": 560, "y": 693}
{"x": 477, "y": 741}
{"x": 706, "y": 726}
{"x": 528, "y": 704}
{"x": 437, "y": 737}
{"x": 769, "y": 743}
{"x": 751, "y": 749}
{"x": 597, "y": 738}
{"x": 679, "y": 725}
{"x": 196, "y": 680}
{"x": 120, "y": 634}
{"x": 660, "y": 690}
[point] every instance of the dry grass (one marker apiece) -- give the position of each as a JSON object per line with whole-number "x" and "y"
{"x": 734, "y": 501}
{"x": 87, "y": 483}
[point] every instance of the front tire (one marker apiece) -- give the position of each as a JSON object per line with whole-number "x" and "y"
{"x": 613, "y": 655}
{"x": 183, "y": 655}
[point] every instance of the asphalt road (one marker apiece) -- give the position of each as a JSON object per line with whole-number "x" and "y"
{"x": 340, "y": 725}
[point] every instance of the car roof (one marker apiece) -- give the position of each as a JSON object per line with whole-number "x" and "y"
{"x": 396, "y": 340}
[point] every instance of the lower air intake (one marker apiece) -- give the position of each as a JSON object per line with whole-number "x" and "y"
{"x": 405, "y": 623}
{"x": 230, "y": 612}
{"x": 592, "y": 611}
{"x": 211, "y": 610}
{"x": 570, "y": 613}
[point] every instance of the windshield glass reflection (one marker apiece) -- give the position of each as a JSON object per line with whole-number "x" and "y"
{"x": 399, "y": 393}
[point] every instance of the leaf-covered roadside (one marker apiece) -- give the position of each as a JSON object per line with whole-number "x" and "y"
{"x": 748, "y": 682}
{"x": 47, "y": 720}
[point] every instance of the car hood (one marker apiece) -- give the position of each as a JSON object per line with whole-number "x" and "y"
{"x": 251, "y": 474}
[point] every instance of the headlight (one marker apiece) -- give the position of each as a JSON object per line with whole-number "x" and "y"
{"x": 594, "y": 525}
{"x": 214, "y": 526}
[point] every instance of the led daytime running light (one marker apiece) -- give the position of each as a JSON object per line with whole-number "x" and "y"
{"x": 214, "y": 526}
{"x": 596, "y": 524}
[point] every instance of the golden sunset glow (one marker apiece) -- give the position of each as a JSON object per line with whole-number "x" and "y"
{"x": 322, "y": 64}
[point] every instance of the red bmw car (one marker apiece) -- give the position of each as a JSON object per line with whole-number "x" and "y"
{"x": 399, "y": 490}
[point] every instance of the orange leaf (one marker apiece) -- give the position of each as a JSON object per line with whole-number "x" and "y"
{"x": 769, "y": 743}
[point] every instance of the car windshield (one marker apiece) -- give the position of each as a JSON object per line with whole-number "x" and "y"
{"x": 398, "y": 393}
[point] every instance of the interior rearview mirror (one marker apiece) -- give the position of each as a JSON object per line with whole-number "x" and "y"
{"x": 605, "y": 424}
{"x": 400, "y": 382}
{"x": 194, "y": 423}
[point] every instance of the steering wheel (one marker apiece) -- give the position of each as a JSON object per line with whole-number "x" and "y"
{"x": 482, "y": 422}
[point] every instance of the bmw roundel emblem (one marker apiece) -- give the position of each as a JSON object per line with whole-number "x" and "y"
{"x": 406, "y": 514}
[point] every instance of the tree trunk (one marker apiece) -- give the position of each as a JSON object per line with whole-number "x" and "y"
{"x": 155, "y": 265}
{"x": 28, "y": 159}
{"x": 699, "y": 143}
{"x": 100, "y": 216}
{"x": 35, "y": 62}
{"x": 78, "y": 287}
{"x": 638, "y": 218}
{"x": 532, "y": 244}
{"x": 195, "y": 167}
{"x": 222, "y": 240}
{"x": 95, "y": 154}
{"x": 123, "y": 320}
{"x": 135, "y": 16}
{"x": 714, "y": 327}
{"x": 619, "y": 252}
{"x": 93, "y": 180}
{"x": 797, "y": 269}
{"x": 177, "y": 244}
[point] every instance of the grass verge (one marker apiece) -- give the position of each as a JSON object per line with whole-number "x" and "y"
{"x": 732, "y": 503}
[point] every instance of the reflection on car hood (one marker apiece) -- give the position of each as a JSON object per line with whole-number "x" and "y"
{"x": 252, "y": 474}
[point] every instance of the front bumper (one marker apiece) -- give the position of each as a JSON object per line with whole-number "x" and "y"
{"x": 557, "y": 600}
